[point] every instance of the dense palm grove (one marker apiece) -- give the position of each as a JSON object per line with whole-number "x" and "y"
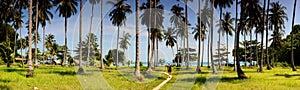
{"x": 255, "y": 17}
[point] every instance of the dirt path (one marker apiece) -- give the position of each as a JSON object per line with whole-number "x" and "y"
{"x": 163, "y": 83}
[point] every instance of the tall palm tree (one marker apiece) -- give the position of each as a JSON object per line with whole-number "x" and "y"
{"x": 146, "y": 20}
{"x": 292, "y": 37}
{"x": 36, "y": 32}
{"x": 66, "y": 9}
{"x": 137, "y": 48}
{"x": 125, "y": 41}
{"x": 93, "y": 2}
{"x": 227, "y": 26}
{"x": 118, "y": 18}
{"x": 221, "y": 4}
{"x": 49, "y": 45}
{"x": 80, "y": 69}
{"x": 186, "y": 31}
{"x": 267, "y": 35}
{"x": 206, "y": 14}
{"x": 44, "y": 16}
{"x": 238, "y": 29}
{"x": 170, "y": 38}
{"x": 212, "y": 36}
{"x": 101, "y": 35}
{"x": 277, "y": 19}
{"x": 30, "y": 68}
{"x": 198, "y": 32}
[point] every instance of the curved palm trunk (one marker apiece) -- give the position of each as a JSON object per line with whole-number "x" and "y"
{"x": 292, "y": 38}
{"x": 89, "y": 37}
{"x": 21, "y": 47}
{"x": 256, "y": 49}
{"x": 30, "y": 68}
{"x": 137, "y": 48}
{"x": 212, "y": 36}
{"x": 117, "y": 57}
{"x": 240, "y": 72}
{"x": 80, "y": 69}
{"x": 101, "y": 36}
{"x": 149, "y": 34}
{"x": 199, "y": 38}
{"x": 267, "y": 39}
{"x": 36, "y": 34}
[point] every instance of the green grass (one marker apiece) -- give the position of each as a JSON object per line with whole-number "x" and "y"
{"x": 66, "y": 78}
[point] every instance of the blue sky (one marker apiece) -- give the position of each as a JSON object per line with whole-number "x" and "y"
{"x": 110, "y": 32}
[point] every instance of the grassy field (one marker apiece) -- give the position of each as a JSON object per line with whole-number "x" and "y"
{"x": 65, "y": 78}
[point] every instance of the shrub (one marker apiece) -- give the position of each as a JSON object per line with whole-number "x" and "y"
{"x": 141, "y": 64}
{"x": 281, "y": 64}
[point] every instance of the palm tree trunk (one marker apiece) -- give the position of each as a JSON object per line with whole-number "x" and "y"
{"x": 80, "y": 69}
{"x": 262, "y": 40}
{"x": 36, "y": 34}
{"x": 117, "y": 57}
{"x": 212, "y": 36}
{"x": 219, "y": 42}
{"x": 65, "y": 52}
{"x": 236, "y": 34}
{"x": 21, "y": 44}
{"x": 187, "y": 37}
{"x": 267, "y": 39}
{"x": 43, "y": 57}
{"x": 89, "y": 37}
{"x": 227, "y": 49}
{"x": 155, "y": 65}
{"x": 256, "y": 48}
{"x": 137, "y": 47}
{"x": 101, "y": 36}
{"x": 202, "y": 54}
{"x": 292, "y": 38}
{"x": 148, "y": 53}
{"x": 245, "y": 50}
{"x": 30, "y": 68}
{"x": 250, "y": 61}
{"x": 199, "y": 38}
{"x": 208, "y": 49}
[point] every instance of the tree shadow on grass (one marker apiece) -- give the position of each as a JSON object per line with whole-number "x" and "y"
{"x": 202, "y": 80}
{"x": 14, "y": 70}
{"x": 5, "y": 81}
{"x": 63, "y": 73}
{"x": 5, "y": 87}
{"x": 287, "y": 75}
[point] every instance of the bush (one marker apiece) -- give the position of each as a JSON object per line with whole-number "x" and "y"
{"x": 141, "y": 64}
{"x": 282, "y": 64}
{"x": 2, "y": 62}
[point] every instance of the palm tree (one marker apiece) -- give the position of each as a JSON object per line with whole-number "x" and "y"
{"x": 238, "y": 29}
{"x": 227, "y": 26}
{"x": 93, "y": 2}
{"x": 170, "y": 38}
{"x": 292, "y": 38}
{"x": 36, "y": 32}
{"x": 125, "y": 43}
{"x": 186, "y": 31}
{"x": 101, "y": 36}
{"x": 118, "y": 18}
{"x": 30, "y": 68}
{"x": 277, "y": 19}
{"x": 267, "y": 40}
{"x": 137, "y": 48}
{"x": 221, "y": 4}
{"x": 211, "y": 37}
{"x": 66, "y": 9}
{"x": 44, "y": 16}
{"x": 80, "y": 69}
{"x": 198, "y": 35}
{"x": 49, "y": 44}
{"x": 206, "y": 14}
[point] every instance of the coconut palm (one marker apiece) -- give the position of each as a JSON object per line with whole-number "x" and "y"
{"x": 80, "y": 69}
{"x": 267, "y": 40}
{"x": 170, "y": 38}
{"x": 227, "y": 26}
{"x": 292, "y": 37}
{"x": 93, "y": 2}
{"x": 101, "y": 35}
{"x": 198, "y": 35}
{"x": 125, "y": 41}
{"x": 221, "y": 4}
{"x": 206, "y": 14}
{"x": 66, "y": 9}
{"x": 277, "y": 19}
{"x": 118, "y": 18}
{"x": 49, "y": 42}
{"x": 44, "y": 16}
{"x": 137, "y": 57}
{"x": 30, "y": 68}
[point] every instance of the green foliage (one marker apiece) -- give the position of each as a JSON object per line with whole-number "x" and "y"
{"x": 141, "y": 64}
{"x": 282, "y": 64}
